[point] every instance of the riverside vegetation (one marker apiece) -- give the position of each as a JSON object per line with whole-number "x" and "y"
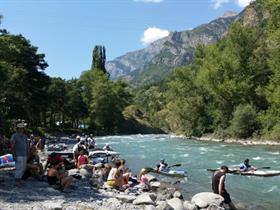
{"x": 231, "y": 88}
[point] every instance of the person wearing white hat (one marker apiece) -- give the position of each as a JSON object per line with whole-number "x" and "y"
{"x": 20, "y": 150}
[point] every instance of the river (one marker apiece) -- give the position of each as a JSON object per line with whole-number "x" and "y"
{"x": 257, "y": 193}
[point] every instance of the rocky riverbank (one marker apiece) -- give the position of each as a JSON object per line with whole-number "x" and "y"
{"x": 38, "y": 195}
{"x": 238, "y": 141}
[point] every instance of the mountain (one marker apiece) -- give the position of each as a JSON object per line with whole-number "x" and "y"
{"x": 154, "y": 62}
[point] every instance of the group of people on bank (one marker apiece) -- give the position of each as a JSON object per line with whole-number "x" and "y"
{"x": 116, "y": 176}
{"x": 25, "y": 152}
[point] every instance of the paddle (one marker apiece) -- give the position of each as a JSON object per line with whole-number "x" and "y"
{"x": 265, "y": 167}
{"x": 153, "y": 170}
{"x": 175, "y": 165}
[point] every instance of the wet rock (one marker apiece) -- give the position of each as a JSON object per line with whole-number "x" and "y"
{"x": 190, "y": 206}
{"x": 177, "y": 194}
{"x": 204, "y": 199}
{"x": 144, "y": 199}
{"x": 241, "y": 206}
{"x": 126, "y": 198}
{"x": 176, "y": 204}
{"x": 215, "y": 207}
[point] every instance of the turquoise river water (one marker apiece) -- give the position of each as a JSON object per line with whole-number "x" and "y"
{"x": 258, "y": 193}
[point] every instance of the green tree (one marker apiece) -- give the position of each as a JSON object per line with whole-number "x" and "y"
{"x": 76, "y": 108}
{"x": 108, "y": 102}
{"x": 26, "y": 82}
{"x": 244, "y": 122}
{"x": 99, "y": 58}
{"x": 57, "y": 93}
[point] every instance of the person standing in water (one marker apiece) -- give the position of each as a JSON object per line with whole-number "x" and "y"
{"x": 218, "y": 185}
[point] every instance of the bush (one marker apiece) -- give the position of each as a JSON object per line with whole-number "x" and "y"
{"x": 244, "y": 122}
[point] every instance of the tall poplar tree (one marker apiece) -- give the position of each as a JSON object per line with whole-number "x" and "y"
{"x": 99, "y": 58}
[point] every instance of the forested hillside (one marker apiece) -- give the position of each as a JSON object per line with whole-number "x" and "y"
{"x": 231, "y": 89}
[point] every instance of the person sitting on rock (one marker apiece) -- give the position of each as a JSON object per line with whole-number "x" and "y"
{"x": 125, "y": 172}
{"x": 82, "y": 159}
{"x": 115, "y": 176}
{"x": 52, "y": 159}
{"x": 143, "y": 180}
{"x": 56, "y": 178}
{"x": 34, "y": 166}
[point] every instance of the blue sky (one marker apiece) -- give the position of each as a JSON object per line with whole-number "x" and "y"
{"x": 67, "y": 30}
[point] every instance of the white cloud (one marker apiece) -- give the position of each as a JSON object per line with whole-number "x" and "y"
{"x": 243, "y": 3}
{"x": 152, "y": 34}
{"x": 149, "y": 1}
{"x": 218, "y": 3}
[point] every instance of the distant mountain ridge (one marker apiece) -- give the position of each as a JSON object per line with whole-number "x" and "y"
{"x": 157, "y": 60}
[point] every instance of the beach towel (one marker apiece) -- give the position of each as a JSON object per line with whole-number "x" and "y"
{"x": 7, "y": 161}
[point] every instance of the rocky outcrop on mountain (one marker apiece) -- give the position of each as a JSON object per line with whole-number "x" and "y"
{"x": 123, "y": 65}
{"x": 155, "y": 61}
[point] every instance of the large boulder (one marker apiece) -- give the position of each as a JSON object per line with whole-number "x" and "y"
{"x": 215, "y": 207}
{"x": 176, "y": 204}
{"x": 204, "y": 199}
{"x": 144, "y": 199}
